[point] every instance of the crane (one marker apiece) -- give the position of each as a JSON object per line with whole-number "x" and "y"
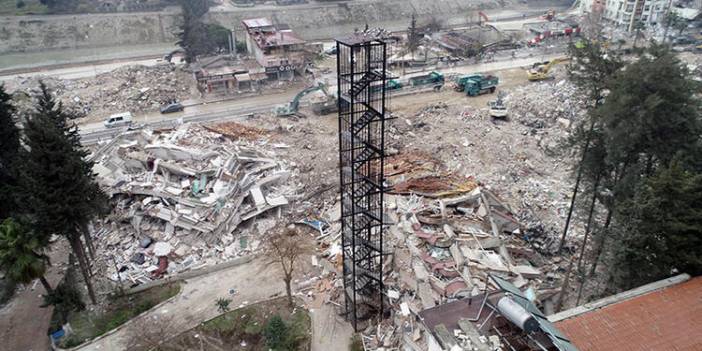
{"x": 292, "y": 107}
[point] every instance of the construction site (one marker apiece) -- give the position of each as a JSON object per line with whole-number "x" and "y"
{"x": 427, "y": 166}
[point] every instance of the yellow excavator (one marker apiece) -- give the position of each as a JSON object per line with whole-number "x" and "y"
{"x": 540, "y": 70}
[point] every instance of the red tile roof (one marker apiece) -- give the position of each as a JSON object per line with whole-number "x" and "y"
{"x": 666, "y": 319}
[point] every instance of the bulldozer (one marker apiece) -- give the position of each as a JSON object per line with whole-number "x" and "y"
{"x": 540, "y": 70}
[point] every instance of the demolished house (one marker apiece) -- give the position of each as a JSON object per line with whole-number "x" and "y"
{"x": 179, "y": 197}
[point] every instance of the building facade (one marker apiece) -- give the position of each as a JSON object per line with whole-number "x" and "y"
{"x": 278, "y": 50}
{"x": 626, "y": 13}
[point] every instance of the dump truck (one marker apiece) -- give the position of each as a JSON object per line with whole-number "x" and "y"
{"x": 433, "y": 78}
{"x": 476, "y": 84}
{"x": 390, "y": 85}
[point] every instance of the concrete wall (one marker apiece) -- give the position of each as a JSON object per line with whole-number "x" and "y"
{"x": 39, "y": 33}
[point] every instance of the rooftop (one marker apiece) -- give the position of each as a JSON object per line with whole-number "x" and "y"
{"x": 665, "y": 315}
{"x": 257, "y": 23}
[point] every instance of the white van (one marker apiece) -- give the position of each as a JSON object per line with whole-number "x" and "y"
{"x": 118, "y": 120}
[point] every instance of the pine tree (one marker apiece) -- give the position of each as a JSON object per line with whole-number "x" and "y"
{"x": 9, "y": 154}
{"x": 662, "y": 233}
{"x": 62, "y": 195}
{"x": 276, "y": 333}
{"x": 591, "y": 70}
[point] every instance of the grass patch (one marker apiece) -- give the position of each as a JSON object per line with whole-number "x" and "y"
{"x": 31, "y": 7}
{"x": 244, "y": 329}
{"x": 91, "y": 324}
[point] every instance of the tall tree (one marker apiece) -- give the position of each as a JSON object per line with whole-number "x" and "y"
{"x": 196, "y": 37}
{"x": 62, "y": 195}
{"x": 21, "y": 256}
{"x": 590, "y": 70}
{"x": 9, "y": 154}
{"x": 663, "y": 229}
{"x": 649, "y": 118}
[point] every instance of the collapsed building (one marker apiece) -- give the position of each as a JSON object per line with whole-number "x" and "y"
{"x": 460, "y": 272}
{"x": 179, "y": 196}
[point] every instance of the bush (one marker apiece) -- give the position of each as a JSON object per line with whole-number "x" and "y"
{"x": 276, "y": 333}
{"x": 20, "y": 4}
{"x": 356, "y": 343}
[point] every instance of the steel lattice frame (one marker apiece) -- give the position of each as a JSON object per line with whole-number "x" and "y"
{"x": 361, "y": 71}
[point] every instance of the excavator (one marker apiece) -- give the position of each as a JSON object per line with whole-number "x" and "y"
{"x": 293, "y": 106}
{"x": 540, "y": 71}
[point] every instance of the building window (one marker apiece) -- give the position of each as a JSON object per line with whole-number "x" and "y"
{"x": 644, "y": 18}
{"x": 647, "y": 7}
{"x": 629, "y": 8}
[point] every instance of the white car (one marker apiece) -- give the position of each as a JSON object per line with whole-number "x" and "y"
{"x": 118, "y": 120}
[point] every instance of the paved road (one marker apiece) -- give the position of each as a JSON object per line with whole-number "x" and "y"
{"x": 238, "y": 109}
{"x": 80, "y": 71}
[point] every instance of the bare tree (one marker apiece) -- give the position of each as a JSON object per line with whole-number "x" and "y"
{"x": 285, "y": 249}
{"x": 152, "y": 333}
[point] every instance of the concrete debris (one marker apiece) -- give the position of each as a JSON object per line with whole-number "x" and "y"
{"x": 130, "y": 88}
{"x": 181, "y": 198}
{"x": 446, "y": 237}
{"x": 543, "y": 104}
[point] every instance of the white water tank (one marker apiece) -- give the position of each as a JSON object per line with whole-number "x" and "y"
{"x": 516, "y": 314}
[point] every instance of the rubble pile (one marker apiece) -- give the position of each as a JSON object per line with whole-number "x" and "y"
{"x": 539, "y": 105}
{"x": 443, "y": 246}
{"x": 130, "y": 88}
{"x": 179, "y": 196}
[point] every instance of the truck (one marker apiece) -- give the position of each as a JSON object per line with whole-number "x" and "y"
{"x": 434, "y": 77}
{"x": 476, "y": 84}
{"x": 390, "y": 85}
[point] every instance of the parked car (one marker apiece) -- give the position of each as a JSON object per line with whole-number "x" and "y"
{"x": 172, "y": 107}
{"x": 118, "y": 120}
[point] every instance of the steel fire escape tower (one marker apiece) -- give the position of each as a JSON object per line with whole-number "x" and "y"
{"x": 361, "y": 73}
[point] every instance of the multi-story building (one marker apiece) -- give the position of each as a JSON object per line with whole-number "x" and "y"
{"x": 625, "y": 13}
{"x": 277, "y": 49}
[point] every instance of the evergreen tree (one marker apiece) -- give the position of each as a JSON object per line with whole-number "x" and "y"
{"x": 62, "y": 195}
{"x": 195, "y": 37}
{"x": 413, "y": 36}
{"x": 276, "y": 334}
{"x": 662, "y": 233}
{"x": 9, "y": 154}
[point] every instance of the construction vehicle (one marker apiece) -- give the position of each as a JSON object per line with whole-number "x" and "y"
{"x": 498, "y": 108}
{"x": 390, "y": 85}
{"x": 476, "y": 84}
{"x": 434, "y": 77}
{"x": 292, "y": 108}
{"x": 540, "y": 70}
{"x": 325, "y": 104}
